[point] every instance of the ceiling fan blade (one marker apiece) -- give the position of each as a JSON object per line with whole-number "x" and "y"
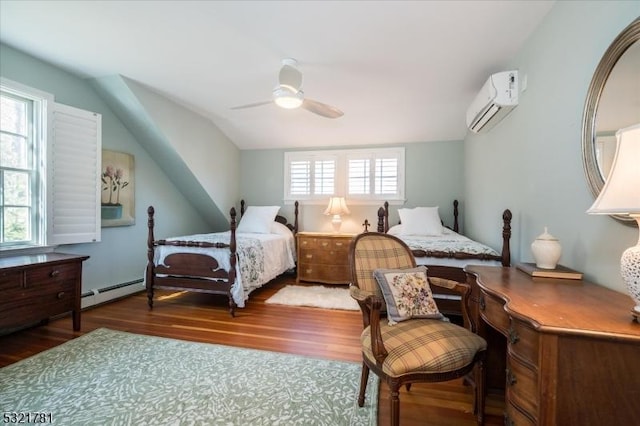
{"x": 322, "y": 109}
{"x": 255, "y": 104}
{"x": 290, "y": 75}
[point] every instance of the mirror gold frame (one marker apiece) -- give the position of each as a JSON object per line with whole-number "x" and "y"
{"x": 618, "y": 47}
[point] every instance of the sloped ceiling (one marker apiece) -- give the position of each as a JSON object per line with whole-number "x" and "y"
{"x": 402, "y": 71}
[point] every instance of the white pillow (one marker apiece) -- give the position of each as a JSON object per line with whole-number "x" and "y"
{"x": 258, "y": 219}
{"x": 280, "y": 229}
{"x": 396, "y": 230}
{"x": 420, "y": 221}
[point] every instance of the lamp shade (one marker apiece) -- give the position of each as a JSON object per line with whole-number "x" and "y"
{"x": 621, "y": 191}
{"x": 337, "y": 205}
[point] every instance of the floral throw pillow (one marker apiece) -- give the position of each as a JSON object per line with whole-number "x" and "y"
{"x": 407, "y": 294}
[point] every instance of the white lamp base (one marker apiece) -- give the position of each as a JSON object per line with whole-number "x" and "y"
{"x": 630, "y": 270}
{"x": 336, "y": 222}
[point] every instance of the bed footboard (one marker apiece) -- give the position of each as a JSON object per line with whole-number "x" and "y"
{"x": 190, "y": 271}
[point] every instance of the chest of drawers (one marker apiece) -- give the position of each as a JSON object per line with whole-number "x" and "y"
{"x": 567, "y": 350}
{"x": 323, "y": 257}
{"x": 36, "y": 287}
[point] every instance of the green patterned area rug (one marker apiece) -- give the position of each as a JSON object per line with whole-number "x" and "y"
{"x": 115, "y": 378}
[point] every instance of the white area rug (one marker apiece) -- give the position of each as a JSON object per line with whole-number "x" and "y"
{"x": 316, "y": 296}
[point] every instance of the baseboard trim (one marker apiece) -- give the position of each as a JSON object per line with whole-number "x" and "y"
{"x": 111, "y": 293}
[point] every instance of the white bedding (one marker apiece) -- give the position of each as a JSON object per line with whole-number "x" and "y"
{"x": 261, "y": 257}
{"x": 449, "y": 242}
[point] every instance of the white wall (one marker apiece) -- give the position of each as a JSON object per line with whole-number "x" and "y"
{"x": 531, "y": 162}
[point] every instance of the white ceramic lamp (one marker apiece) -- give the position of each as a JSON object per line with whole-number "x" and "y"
{"x": 621, "y": 195}
{"x": 337, "y": 207}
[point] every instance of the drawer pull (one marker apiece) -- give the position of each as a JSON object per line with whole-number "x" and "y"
{"x": 309, "y": 256}
{"x": 324, "y": 244}
{"x": 483, "y": 304}
{"x": 309, "y": 271}
{"x": 513, "y": 336}
{"x": 54, "y": 273}
{"x": 60, "y": 295}
{"x": 511, "y": 378}
{"x": 508, "y": 421}
{"x": 339, "y": 244}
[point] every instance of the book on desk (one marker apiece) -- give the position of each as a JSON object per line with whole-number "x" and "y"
{"x": 558, "y": 272}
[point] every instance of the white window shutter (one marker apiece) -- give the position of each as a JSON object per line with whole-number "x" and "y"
{"x": 74, "y": 160}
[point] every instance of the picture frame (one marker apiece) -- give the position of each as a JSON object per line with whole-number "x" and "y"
{"x": 117, "y": 189}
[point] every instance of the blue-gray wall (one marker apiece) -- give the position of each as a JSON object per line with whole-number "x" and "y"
{"x": 531, "y": 162}
{"x": 434, "y": 177}
{"x": 121, "y": 255}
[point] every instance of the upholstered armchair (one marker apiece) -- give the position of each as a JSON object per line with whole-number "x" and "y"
{"x": 416, "y": 349}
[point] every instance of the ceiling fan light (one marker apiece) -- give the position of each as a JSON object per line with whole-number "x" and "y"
{"x": 287, "y": 98}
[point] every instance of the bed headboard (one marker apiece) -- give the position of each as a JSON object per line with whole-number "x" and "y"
{"x": 383, "y": 217}
{"x": 280, "y": 219}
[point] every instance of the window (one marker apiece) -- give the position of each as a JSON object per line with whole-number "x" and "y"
{"x": 359, "y": 174}
{"x": 49, "y": 170}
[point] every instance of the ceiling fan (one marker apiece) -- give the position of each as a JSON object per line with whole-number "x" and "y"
{"x": 288, "y": 93}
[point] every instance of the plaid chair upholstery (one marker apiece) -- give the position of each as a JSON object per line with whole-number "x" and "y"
{"x": 374, "y": 252}
{"x": 424, "y": 345}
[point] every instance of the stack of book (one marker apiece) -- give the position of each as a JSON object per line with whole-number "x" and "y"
{"x": 559, "y": 271}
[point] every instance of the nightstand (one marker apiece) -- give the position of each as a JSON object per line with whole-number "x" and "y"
{"x": 323, "y": 257}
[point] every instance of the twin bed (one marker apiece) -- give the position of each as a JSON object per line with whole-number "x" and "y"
{"x": 262, "y": 247}
{"x": 231, "y": 263}
{"x": 444, "y": 250}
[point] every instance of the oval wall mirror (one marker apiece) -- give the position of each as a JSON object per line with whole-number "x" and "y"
{"x": 613, "y": 102}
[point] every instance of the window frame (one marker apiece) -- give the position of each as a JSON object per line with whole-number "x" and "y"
{"x": 50, "y": 164}
{"x": 39, "y": 126}
{"x": 341, "y": 177}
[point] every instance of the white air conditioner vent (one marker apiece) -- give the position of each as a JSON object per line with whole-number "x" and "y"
{"x": 496, "y": 99}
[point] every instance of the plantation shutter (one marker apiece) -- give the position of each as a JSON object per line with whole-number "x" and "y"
{"x": 73, "y": 176}
{"x": 324, "y": 177}
{"x": 359, "y": 176}
{"x": 300, "y": 172}
{"x": 386, "y": 176}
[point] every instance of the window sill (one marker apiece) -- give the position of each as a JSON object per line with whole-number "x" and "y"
{"x": 27, "y": 250}
{"x": 350, "y": 202}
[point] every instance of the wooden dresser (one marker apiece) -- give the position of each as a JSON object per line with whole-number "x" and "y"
{"x": 323, "y": 257}
{"x": 567, "y": 351}
{"x": 36, "y": 287}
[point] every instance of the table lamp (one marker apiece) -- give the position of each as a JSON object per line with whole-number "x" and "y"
{"x": 621, "y": 195}
{"x": 337, "y": 206}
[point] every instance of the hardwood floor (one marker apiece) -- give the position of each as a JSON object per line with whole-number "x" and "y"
{"x": 322, "y": 333}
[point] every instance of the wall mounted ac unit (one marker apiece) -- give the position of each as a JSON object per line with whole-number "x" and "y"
{"x": 496, "y": 99}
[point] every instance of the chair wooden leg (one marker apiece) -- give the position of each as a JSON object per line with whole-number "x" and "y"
{"x": 394, "y": 398}
{"x": 364, "y": 377}
{"x": 480, "y": 392}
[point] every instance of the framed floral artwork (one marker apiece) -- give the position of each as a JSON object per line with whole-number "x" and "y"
{"x": 117, "y": 184}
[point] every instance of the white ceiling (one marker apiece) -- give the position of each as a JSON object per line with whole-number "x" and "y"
{"x": 402, "y": 71}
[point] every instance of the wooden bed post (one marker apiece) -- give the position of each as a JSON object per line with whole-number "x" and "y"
{"x": 233, "y": 258}
{"x": 150, "y": 265}
{"x": 455, "y": 216}
{"x": 295, "y": 223}
{"x": 380, "y": 220}
{"x": 506, "y": 236}
{"x": 242, "y": 207}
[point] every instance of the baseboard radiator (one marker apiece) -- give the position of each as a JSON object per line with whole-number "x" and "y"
{"x": 97, "y": 296}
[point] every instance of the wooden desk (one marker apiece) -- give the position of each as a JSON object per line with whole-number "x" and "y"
{"x": 571, "y": 348}
{"x": 36, "y": 287}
